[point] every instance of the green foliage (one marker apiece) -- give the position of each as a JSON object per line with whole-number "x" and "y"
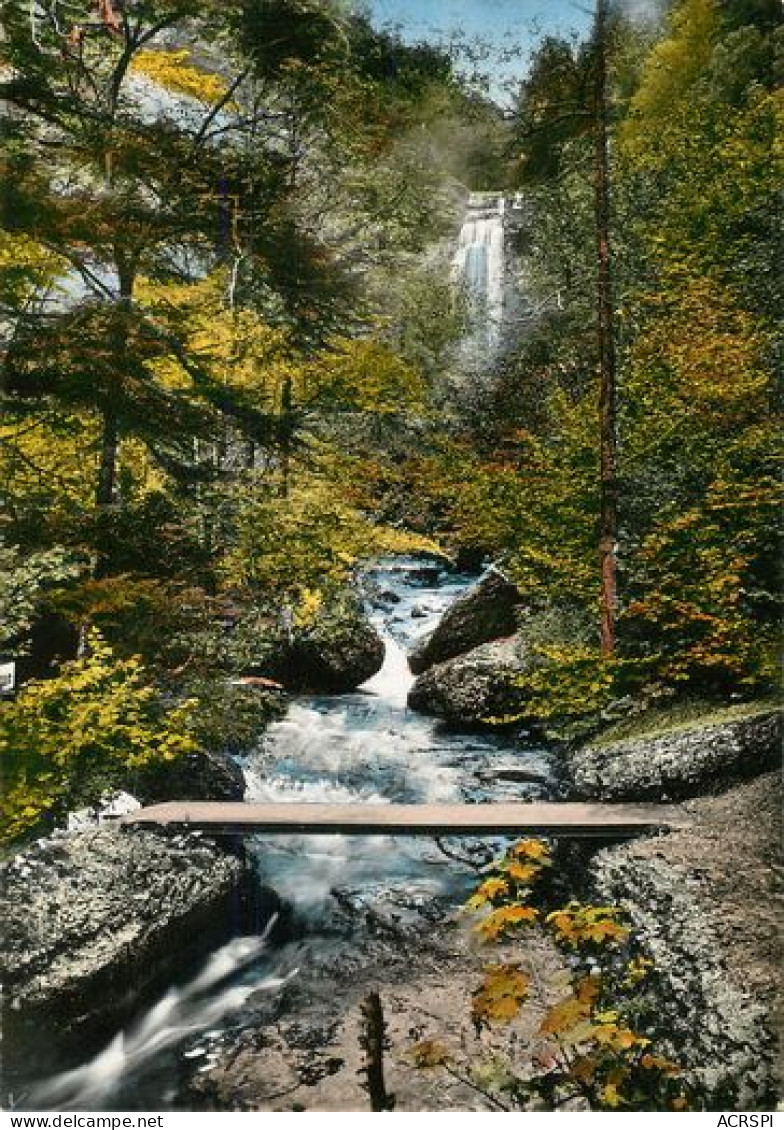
{"x": 702, "y": 146}
{"x": 166, "y": 623}
{"x": 207, "y": 305}
{"x": 672, "y": 68}
{"x": 227, "y": 377}
{"x": 310, "y": 543}
{"x": 421, "y": 317}
{"x": 364, "y": 376}
{"x": 230, "y": 717}
{"x": 696, "y": 159}
{"x": 553, "y": 107}
{"x": 25, "y": 582}
{"x": 529, "y": 507}
{"x": 569, "y": 684}
{"x": 67, "y": 740}
{"x": 702, "y": 569}
{"x": 702, "y": 451}
{"x": 26, "y": 266}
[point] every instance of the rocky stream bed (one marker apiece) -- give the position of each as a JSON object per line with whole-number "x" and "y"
{"x": 182, "y": 973}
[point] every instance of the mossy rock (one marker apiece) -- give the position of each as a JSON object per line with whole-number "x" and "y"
{"x": 481, "y": 687}
{"x": 694, "y": 757}
{"x": 336, "y": 651}
{"x": 486, "y": 612}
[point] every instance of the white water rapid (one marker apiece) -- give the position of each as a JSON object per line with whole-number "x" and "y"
{"x": 194, "y": 1008}
{"x": 363, "y": 748}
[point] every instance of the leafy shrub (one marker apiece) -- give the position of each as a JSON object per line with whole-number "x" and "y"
{"x": 230, "y": 718}
{"x": 67, "y": 740}
{"x": 25, "y": 580}
{"x": 291, "y": 552}
{"x": 590, "y": 1046}
{"x": 174, "y": 627}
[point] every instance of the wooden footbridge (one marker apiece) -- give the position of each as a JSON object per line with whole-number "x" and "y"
{"x": 608, "y": 821}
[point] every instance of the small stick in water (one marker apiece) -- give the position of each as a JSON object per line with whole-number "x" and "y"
{"x": 374, "y": 1043}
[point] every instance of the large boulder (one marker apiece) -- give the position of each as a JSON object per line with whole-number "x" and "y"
{"x": 696, "y": 758}
{"x": 486, "y": 612}
{"x": 201, "y": 775}
{"x": 95, "y": 918}
{"x": 702, "y": 900}
{"x": 231, "y": 716}
{"x": 334, "y": 652}
{"x": 482, "y": 686}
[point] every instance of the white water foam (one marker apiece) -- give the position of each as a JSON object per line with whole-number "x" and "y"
{"x": 395, "y": 679}
{"x": 479, "y": 264}
{"x": 361, "y": 748}
{"x": 195, "y": 1007}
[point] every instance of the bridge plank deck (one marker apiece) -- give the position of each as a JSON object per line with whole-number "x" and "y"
{"x": 544, "y": 819}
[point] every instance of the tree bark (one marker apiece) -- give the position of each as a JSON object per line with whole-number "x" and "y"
{"x": 106, "y": 484}
{"x": 608, "y": 507}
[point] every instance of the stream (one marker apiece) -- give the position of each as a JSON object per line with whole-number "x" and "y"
{"x": 364, "y": 748}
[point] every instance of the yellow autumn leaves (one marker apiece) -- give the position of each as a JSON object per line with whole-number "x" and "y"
{"x": 586, "y": 1045}
{"x": 63, "y": 740}
{"x": 176, "y": 71}
{"x": 503, "y": 989}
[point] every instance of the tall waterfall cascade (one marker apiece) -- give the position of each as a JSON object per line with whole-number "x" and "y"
{"x": 481, "y": 264}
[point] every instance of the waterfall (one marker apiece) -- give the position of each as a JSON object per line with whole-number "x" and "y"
{"x": 479, "y": 265}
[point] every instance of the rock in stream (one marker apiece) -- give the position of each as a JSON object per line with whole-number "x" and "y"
{"x": 479, "y": 687}
{"x": 485, "y": 613}
{"x": 94, "y": 918}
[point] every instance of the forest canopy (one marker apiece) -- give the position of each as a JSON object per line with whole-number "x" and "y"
{"x": 231, "y": 348}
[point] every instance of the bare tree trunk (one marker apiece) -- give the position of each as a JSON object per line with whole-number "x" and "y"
{"x": 106, "y": 485}
{"x": 608, "y": 515}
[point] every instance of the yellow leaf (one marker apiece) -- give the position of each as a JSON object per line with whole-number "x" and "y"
{"x": 619, "y": 1039}
{"x": 503, "y": 990}
{"x": 523, "y": 872}
{"x": 565, "y": 1016}
{"x": 491, "y": 888}
{"x": 659, "y": 1063}
{"x": 531, "y": 849}
{"x": 583, "y": 1069}
{"x": 611, "y": 1096}
{"x": 428, "y": 1054}
{"x": 506, "y": 918}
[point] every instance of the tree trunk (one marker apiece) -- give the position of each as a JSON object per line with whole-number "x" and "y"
{"x": 608, "y": 514}
{"x": 106, "y": 485}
